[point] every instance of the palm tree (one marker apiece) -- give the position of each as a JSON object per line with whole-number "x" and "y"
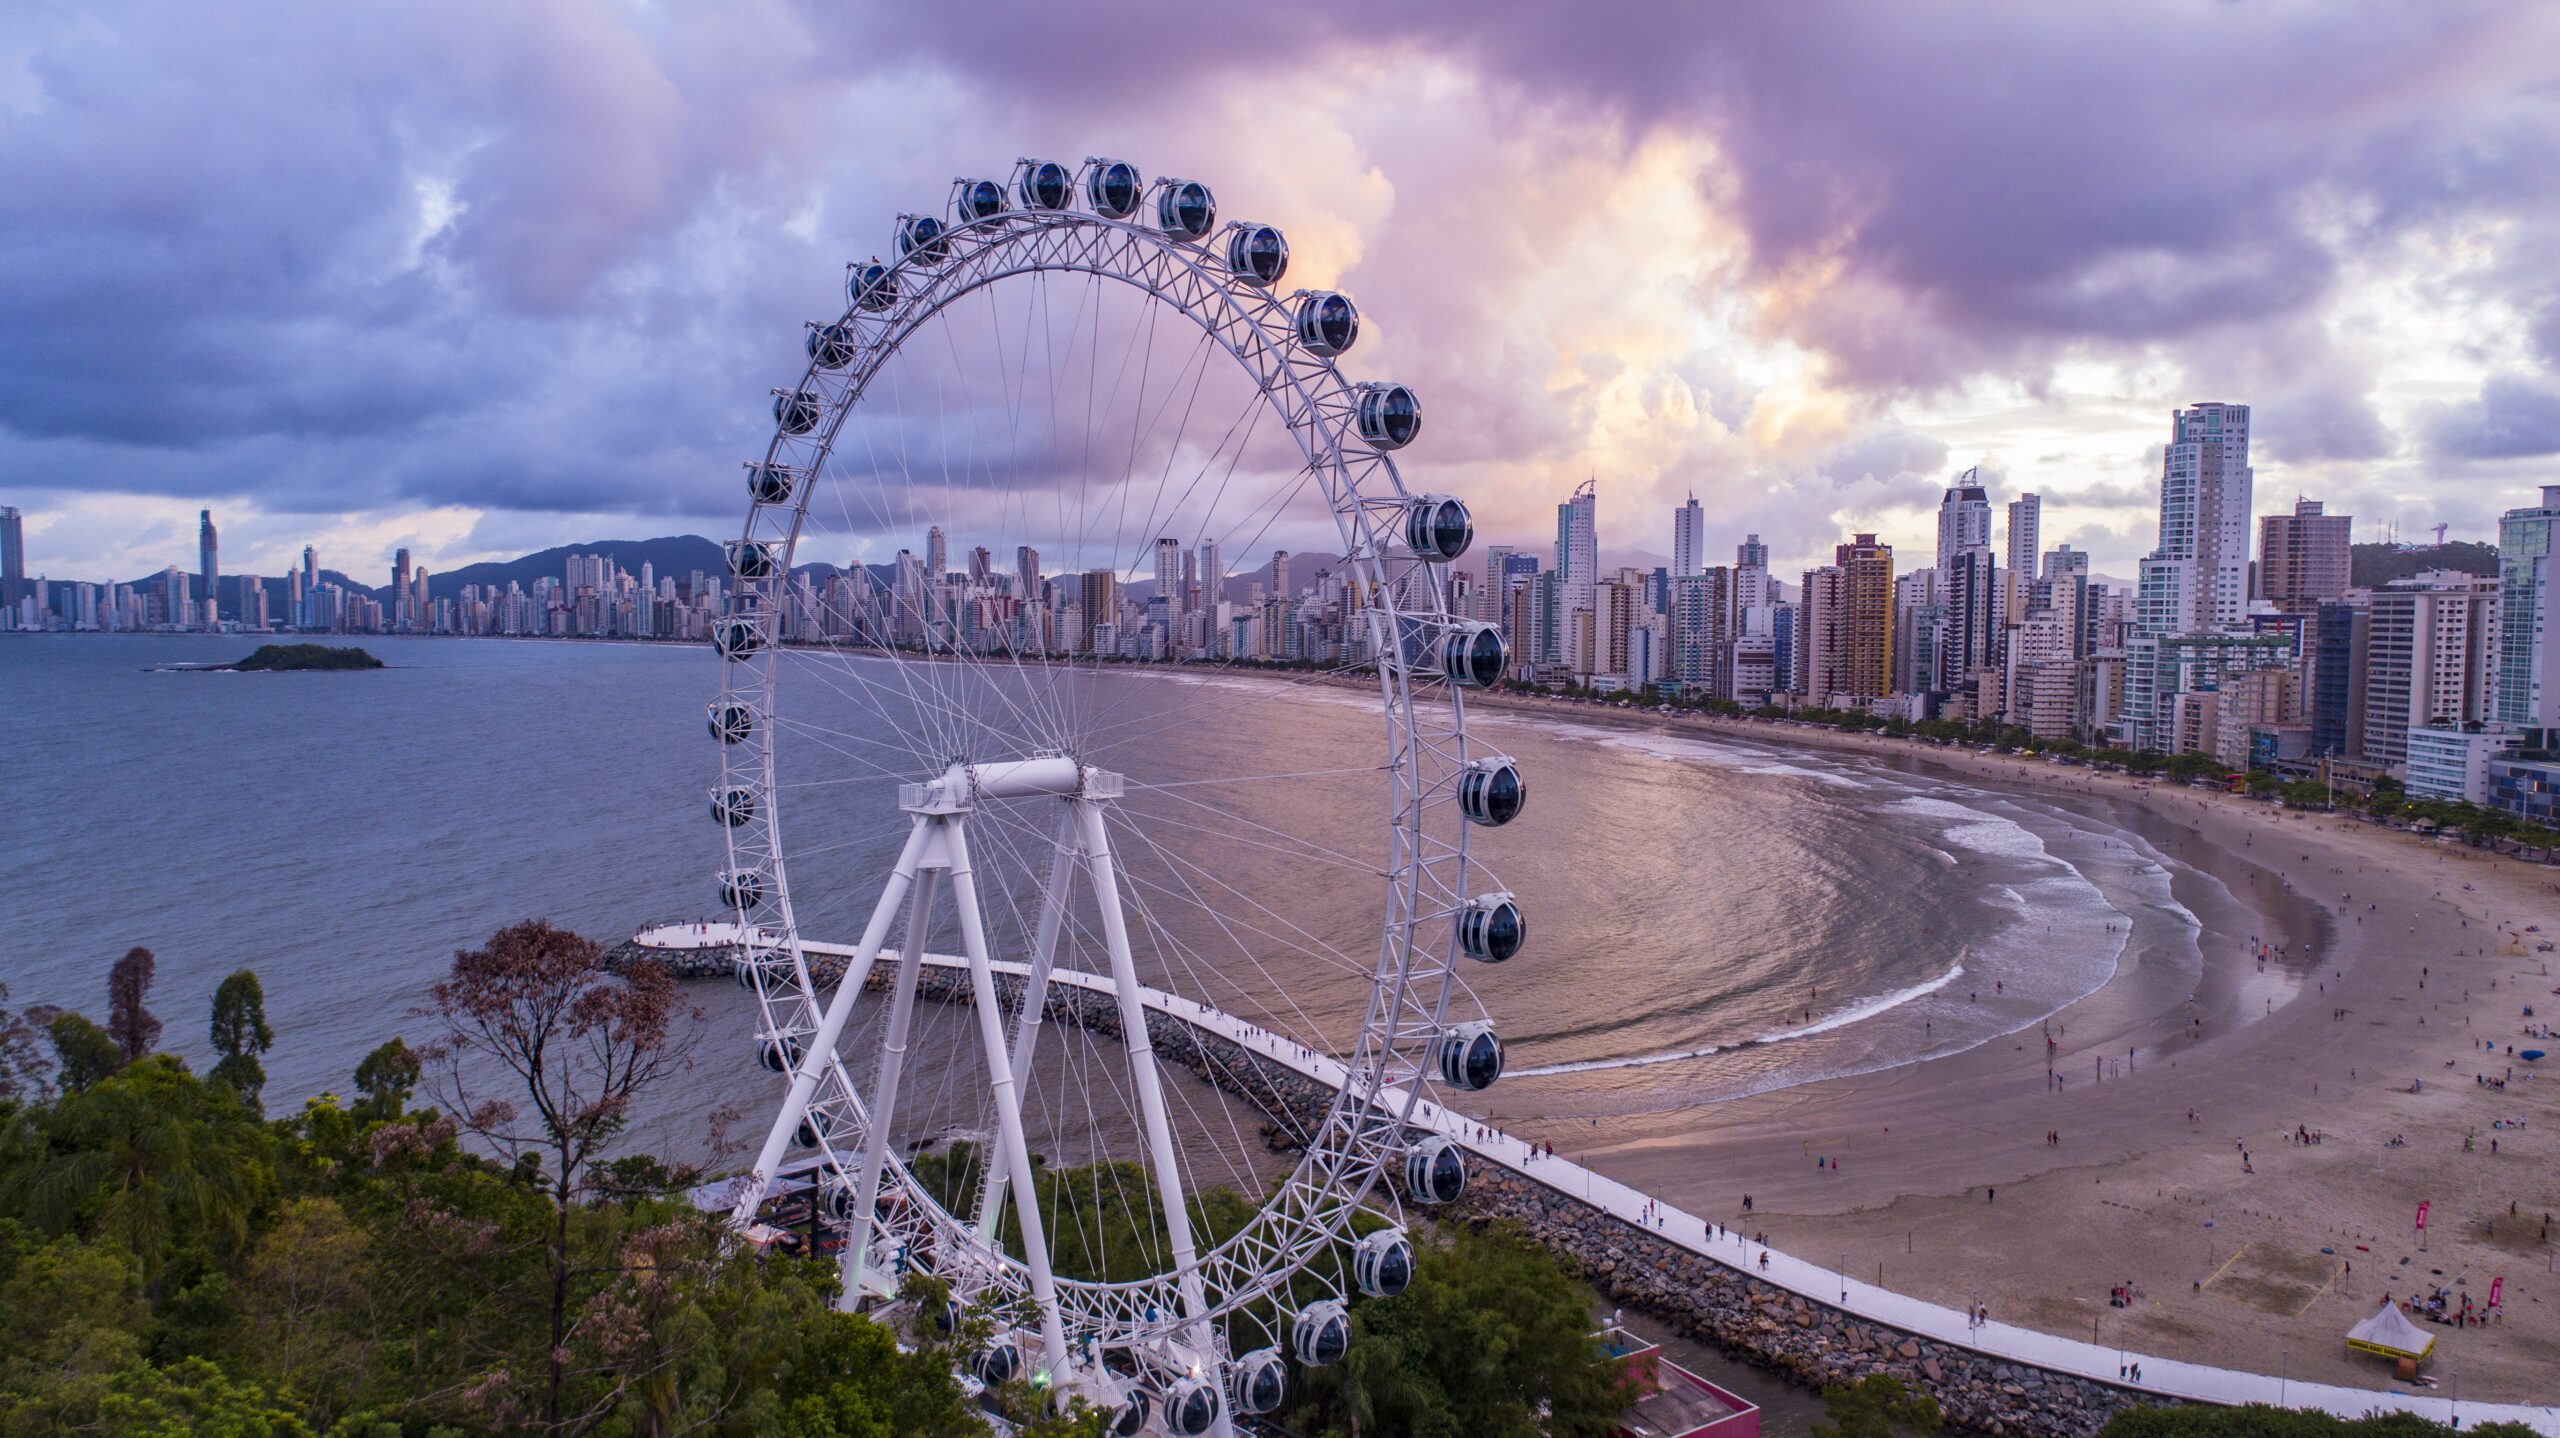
{"x": 144, "y": 1159}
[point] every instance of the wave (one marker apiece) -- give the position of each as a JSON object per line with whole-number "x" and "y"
{"x": 1640, "y": 1061}
{"x": 1869, "y": 1008}
{"x": 1863, "y": 1009}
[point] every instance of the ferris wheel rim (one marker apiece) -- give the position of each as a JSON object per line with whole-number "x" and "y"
{"x": 1327, "y": 1185}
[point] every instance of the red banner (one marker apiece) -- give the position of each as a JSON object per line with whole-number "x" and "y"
{"x": 2497, "y": 1289}
{"x": 2422, "y": 1218}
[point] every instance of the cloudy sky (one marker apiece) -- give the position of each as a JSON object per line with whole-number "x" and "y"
{"x": 480, "y": 276}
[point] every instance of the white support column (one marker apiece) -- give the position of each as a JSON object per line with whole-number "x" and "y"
{"x": 822, "y": 1045}
{"x": 1142, "y": 1068}
{"x": 893, "y": 1055}
{"x": 1035, "y": 998}
{"x": 1026, "y": 1206}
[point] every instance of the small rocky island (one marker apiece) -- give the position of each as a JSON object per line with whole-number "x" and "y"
{"x": 283, "y": 658}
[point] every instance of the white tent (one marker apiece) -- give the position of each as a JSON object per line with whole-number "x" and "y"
{"x": 2390, "y": 1334}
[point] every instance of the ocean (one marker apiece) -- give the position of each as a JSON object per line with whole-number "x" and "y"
{"x": 1708, "y": 917}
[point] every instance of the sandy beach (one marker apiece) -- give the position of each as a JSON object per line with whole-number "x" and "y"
{"x": 2158, "y": 1150}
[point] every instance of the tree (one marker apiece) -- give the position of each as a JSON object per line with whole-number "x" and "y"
{"x": 128, "y": 1022}
{"x": 1876, "y": 1406}
{"x": 386, "y": 1078}
{"x": 1492, "y": 1338}
{"x": 580, "y": 1041}
{"x": 24, "y": 1070}
{"x": 240, "y": 1034}
{"x": 86, "y": 1052}
{"x": 147, "y": 1156}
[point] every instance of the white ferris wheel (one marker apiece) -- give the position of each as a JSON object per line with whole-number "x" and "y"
{"x": 1110, "y": 833}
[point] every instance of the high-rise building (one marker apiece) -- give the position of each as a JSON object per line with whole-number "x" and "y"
{"x": 982, "y": 566}
{"x": 1819, "y": 648}
{"x": 937, "y": 554}
{"x": 2528, "y": 638}
{"x": 2065, "y": 562}
{"x": 402, "y": 617}
{"x": 1972, "y": 630}
{"x": 2430, "y": 659}
{"x": 1701, "y": 627}
{"x": 2026, "y": 535}
{"x": 2342, "y": 635}
{"x": 208, "y": 556}
{"x": 1750, "y": 576}
{"x": 1578, "y": 546}
{"x": 1280, "y": 575}
{"x": 2304, "y": 558}
{"x": 1168, "y": 575}
{"x": 2198, "y": 577}
{"x": 1866, "y": 621}
{"x": 13, "y": 556}
{"x": 1098, "y": 592}
{"x": 310, "y": 570}
{"x": 1213, "y": 575}
{"x": 1688, "y": 539}
{"x": 1964, "y": 518}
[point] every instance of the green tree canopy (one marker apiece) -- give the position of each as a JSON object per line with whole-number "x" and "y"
{"x": 1493, "y": 1340}
{"x": 86, "y": 1053}
{"x": 240, "y": 1035}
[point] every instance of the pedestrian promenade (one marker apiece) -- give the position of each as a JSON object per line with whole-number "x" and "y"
{"x": 2168, "y": 1377}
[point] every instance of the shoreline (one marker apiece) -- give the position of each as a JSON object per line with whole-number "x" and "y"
{"x": 2225, "y": 1258}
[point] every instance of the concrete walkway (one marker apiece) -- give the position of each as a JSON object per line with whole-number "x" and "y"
{"x": 2168, "y": 1377}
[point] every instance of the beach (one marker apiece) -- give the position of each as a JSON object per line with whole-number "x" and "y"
{"x": 2151, "y": 1143}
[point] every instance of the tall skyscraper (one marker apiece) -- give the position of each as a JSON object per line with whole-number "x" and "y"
{"x": 2026, "y": 533}
{"x": 1213, "y": 575}
{"x": 2198, "y": 577}
{"x": 13, "y": 556}
{"x": 2528, "y": 683}
{"x": 982, "y": 565}
{"x": 1972, "y": 639}
{"x": 310, "y": 570}
{"x": 208, "y": 556}
{"x": 402, "y": 617}
{"x": 1866, "y": 618}
{"x": 1688, "y": 539}
{"x": 1964, "y": 518}
{"x": 1169, "y": 573}
{"x": 1026, "y": 572}
{"x": 1280, "y": 574}
{"x": 2304, "y": 557}
{"x": 937, "y": 554}
{"x": 1578, "y": 544}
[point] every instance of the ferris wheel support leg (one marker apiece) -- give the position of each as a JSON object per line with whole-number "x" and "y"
{"x": 1026, "y": 1206}
{"x": 1142, "y": 1067}
{"x": 822, "y": 1045}
{"x": 893, "y": 1059}
{"x": 1035, "y": 999}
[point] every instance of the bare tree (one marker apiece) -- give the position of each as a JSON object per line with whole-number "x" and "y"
{"x": 537, "y": 1012}
{"x": 128, "y": 1022}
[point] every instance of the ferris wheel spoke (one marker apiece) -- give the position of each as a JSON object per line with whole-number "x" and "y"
{"x": 1102, "y": 405}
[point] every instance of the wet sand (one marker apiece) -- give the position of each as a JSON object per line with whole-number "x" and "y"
{"x": 1948, "y": 1186}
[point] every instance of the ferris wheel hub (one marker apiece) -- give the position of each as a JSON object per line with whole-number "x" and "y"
{"x": 964, "y": 784}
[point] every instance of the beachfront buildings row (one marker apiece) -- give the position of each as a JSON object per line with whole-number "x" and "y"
{"x": 2243, "y": 636}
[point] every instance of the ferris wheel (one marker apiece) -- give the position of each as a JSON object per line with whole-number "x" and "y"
{"x": 1074, "y": 846}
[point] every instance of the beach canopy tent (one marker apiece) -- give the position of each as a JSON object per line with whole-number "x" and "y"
{"x": 2392, "y": 1335}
